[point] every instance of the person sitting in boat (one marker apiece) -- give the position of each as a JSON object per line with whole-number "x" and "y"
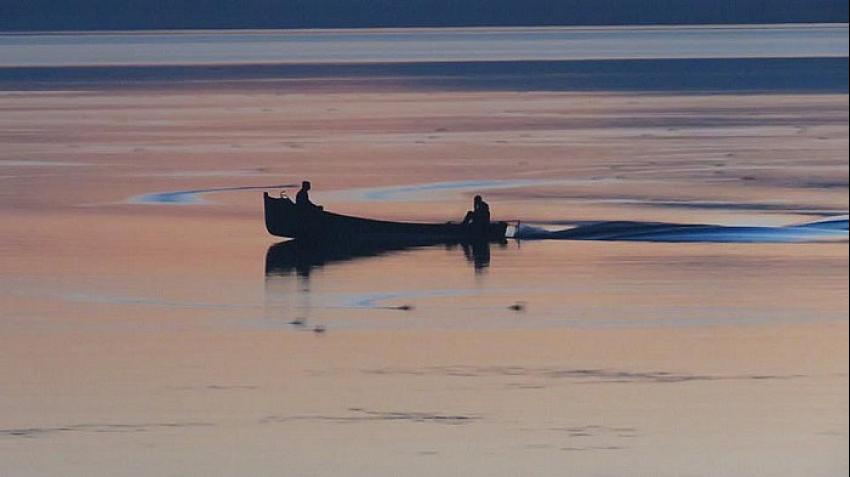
{"x": 302, "y": 199}
{"x": 479, "y": 216}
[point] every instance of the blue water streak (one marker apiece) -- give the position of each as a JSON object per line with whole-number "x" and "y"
{"x": 830, "y": 230}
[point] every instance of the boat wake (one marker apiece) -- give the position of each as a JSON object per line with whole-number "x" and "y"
{"x": 833, "y": 229}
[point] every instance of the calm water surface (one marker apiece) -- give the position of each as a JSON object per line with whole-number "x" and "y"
{"x": 149, "y": 325}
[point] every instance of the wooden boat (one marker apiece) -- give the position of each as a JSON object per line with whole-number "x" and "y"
{"x": 285, "y": 219}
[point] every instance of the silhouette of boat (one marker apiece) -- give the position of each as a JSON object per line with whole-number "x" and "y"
{"x": 285, "y": 219}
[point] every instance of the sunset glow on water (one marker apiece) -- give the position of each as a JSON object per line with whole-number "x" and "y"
{"x": 151, "y": 326}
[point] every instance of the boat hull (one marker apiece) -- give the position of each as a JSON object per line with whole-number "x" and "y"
{"x": 285, "y": 219}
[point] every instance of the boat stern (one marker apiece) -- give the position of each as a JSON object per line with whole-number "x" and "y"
{"x": 280, "y": 216}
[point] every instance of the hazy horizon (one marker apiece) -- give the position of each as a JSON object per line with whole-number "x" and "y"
{"x": 423, "y": 45}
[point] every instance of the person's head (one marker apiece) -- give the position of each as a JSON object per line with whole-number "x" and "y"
{"x": 305, "y": 185}
{"x": 477, "y": 200}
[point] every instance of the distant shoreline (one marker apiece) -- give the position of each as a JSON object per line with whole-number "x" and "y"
{"x": 748, "y": 75}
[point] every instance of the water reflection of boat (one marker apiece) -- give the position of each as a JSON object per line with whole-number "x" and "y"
{"x": 303, "y": 256}
{"x": 285, "y": 219}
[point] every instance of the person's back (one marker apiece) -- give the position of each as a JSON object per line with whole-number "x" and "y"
{"x": 482, "y": 213}
{"x": 302, "y": 198}
{"x": 479, "y": 217}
